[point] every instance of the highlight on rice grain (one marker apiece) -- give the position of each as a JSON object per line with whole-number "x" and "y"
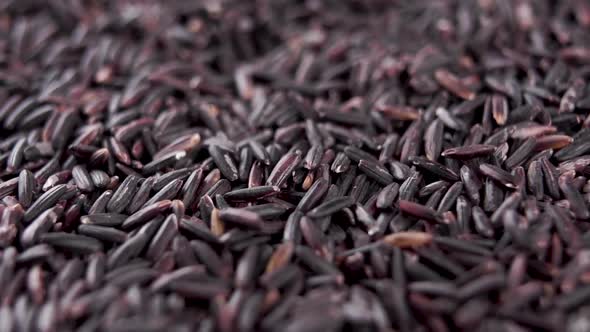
{"x": 353, "y": 165}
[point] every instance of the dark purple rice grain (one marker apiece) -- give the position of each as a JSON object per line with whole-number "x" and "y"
{"x": 452, "y": 83}
{"x": 132, "y": 129}
{"x": 134, "y": 277}
{"x": 208, "y": 182}
{"x": 104, "y": 219}
{"x": 123, "y": 195}
{"x": 9, "y": 104}
{"x": 163, "y": 237}
{"x": 119, "y": 151}
{"x": 168, "y": 192}
{"x": 550, "y": 176}
{"x": 509, "y": 203}
{"x": 419, "y": 211}
{"x": 501, "y": 153}
{"x": 198, "y": 290}
{"x": 316, "y": 263}
{"x": 441, "y": 262}
{"x": 75, "y": 243}
{"x": 145, "y": 214}
{"x": 471, "y": 183}
{"x": 251, "y": 194}
{"x": 221, "y": 187}
{"x": 20, "y": 111}
{"x": 435, "y": 168}
{"x": 224, "y": 162}
{"x": 165, "y": 179}
{"x": 577, "y": 204}
{"x": 103, "y": 233}
{"x": 190, "y": 187}
{"x": 375, "y": 172}
{"x": 206, "y": 208}
{"x": 312, "y": 234}
{"x": 162, "y": 162}
{"x": 208, "y": 257}
{"x": 434, "y": 288}
{"x": 501, "y": 176}
{"x": 433, "y": 187}
{"x": 186, "y": 273}
{"x": 70, "y": 273}
{"x": 382, "y": 223}
{"x": 247, "y": 267}
{"x": 493, "y": 195}
{"x": 283, "y": 169}
{"x": 83, "y": 151}
{"x": 47, "y": 170}
{"x": 268, "y": 211}
{"x": 313, "y": 157}
{"x": 535, "y": 179}
{"x": 355, "y": 154}
{"x": 388, "y": 148}
{"x": 101, "y": 157}
{"x": 127, "y": 171}
{"x": 100, "y": 179}
{"x": 450, "y": 198}
{"x": 40, "y": 252}
{"x": 521, "y": 154}
{"x": 288, "y": 133}
{"x": 434, "y": 199}
{"x": 469, "y": 151}
{"x": 259, "y": 152}
{"x": 499, "y": 109}
{"x": 26, "y": 188}
{"x": 471, "y": 313}
{"x": 387, "y": 195}
{"x": 578, "y": 164}
{"x": 571, "y": 301}
{"x": 531, "y": 130}
{"x": 64, "y": 126}
{"x": 256, "y": 175}
{"x": 82, "y": 178}
{"x": 340, "y": 164}
{"x": 449, "y": 120}
{"x": 279, "y": 258}
{"x": 217, "y": 225}
{"x": 198, "y": 229}
{"x": 463, "y": 213}
{"x": 575, "y": 149}
{"x": 42, "y": 224}
{"x": 241, "y": 217}
{"x": 36, "y": 117}
{"x": 481, "y": 222}
{"x": 127, "y": 251}
{"x": 16, "y": 155}
{"x": 345, "y": 181}
{"x": 32, "y": 153}
{"x": 330, "y": 207}
{"x": 45, "y": 201}
{"x": 481, "y": 285}
{"x": 292, "y": 232}
{"x": 56, "y": 179}
{"x": 410, "y": 186}
{"x": 433, "y": 139}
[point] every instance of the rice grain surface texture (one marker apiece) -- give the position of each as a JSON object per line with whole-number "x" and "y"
{"x": 294, "y": 165}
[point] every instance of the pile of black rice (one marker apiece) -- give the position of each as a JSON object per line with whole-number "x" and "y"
{"x": 358, "y": 165}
